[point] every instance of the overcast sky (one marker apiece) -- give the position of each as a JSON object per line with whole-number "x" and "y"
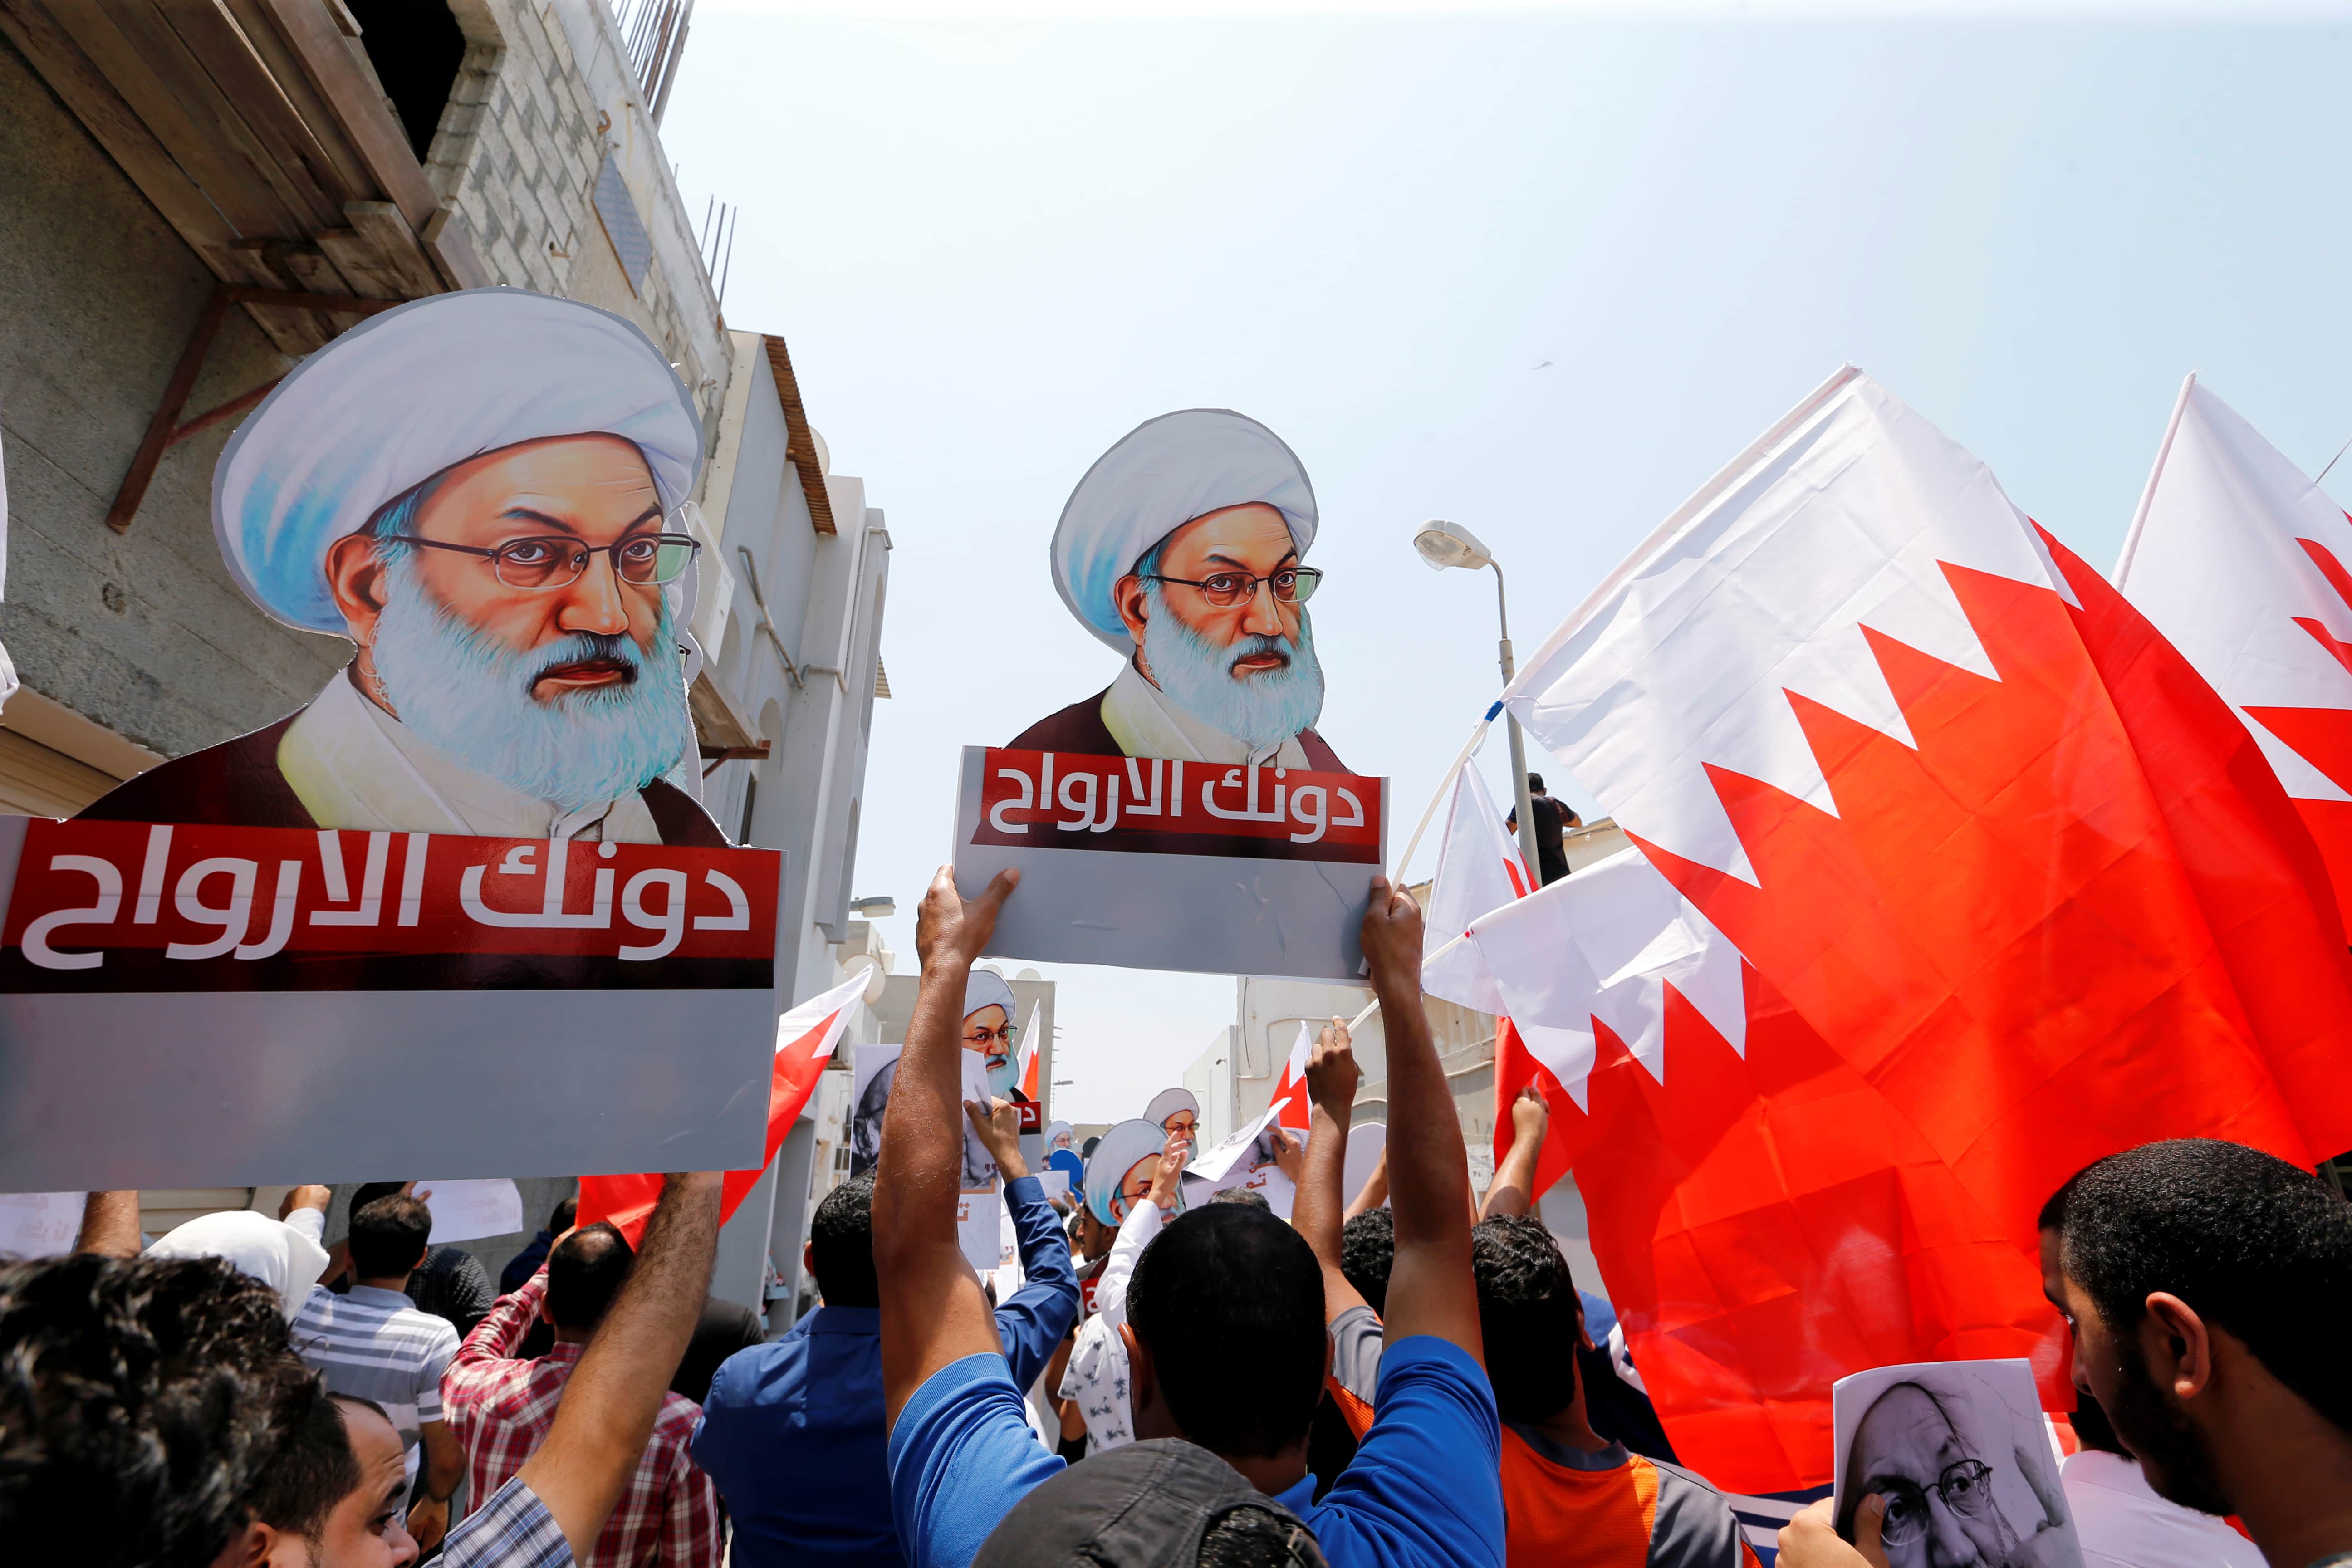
{"x": 1538, "y": 269}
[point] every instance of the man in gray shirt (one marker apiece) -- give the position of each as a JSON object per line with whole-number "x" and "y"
{"x": 374, "y": 1344}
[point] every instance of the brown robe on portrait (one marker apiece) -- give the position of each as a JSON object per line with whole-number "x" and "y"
{"x": 1079, "y": 728}
{"x": 238, "y": 783}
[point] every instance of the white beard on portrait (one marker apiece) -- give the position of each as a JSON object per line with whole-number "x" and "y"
{"x": 1259, "y": 711}
{"x": 471, "y": 696}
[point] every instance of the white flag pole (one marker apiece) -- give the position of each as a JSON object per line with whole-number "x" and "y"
{"x": 2147, "y": 494}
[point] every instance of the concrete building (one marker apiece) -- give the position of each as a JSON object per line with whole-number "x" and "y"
{"x": 197, "y": 195}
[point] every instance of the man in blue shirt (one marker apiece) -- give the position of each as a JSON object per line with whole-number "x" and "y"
{"x": 793, "y": 1432}
{"x": 1225, "y": 1313}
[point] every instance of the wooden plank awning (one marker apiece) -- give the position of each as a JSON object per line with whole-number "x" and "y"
{"x": 800, "y": 441}
{"x": 256, "y": 130}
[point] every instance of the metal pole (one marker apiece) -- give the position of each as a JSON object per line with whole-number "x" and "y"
{"x": 1519, "y": 744}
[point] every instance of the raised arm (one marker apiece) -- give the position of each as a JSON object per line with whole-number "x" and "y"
{"x": 1513, "y": 1190}
{"x": 110, "y": 1224}
{"x": 933, "y": 1313}
{"x": 609, "y": 1404}
{"x": 1331, "y": 1079}
{"x": 1375, "y": 1190}
{"x": 1036, "y": 1318}
{"x": 1431, "y": 1288}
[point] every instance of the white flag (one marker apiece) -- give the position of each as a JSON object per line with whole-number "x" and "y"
{"x": 1603, "y": 946}
{"x": 2246, "y": 567}
{"x": 1478, "y": 869}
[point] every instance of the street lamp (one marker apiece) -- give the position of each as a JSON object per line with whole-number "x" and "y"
{"x": 1444, "y": 544}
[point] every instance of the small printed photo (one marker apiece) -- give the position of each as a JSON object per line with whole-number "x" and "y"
{"x": 1964, "y": 1459}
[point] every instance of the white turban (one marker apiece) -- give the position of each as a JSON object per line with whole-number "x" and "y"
{"x": 419, "y": 389}
{"x": 986, "y": 988}
{"x": 1167, "y": 1103}
{"x": 1163, "y": 474}
{"x": 255, "y": 1245}
{"x": 1119, "y": 1151}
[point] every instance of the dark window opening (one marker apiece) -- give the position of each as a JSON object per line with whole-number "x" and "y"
{"x": 416, "y": 47}
{"x": 750, "y": 796}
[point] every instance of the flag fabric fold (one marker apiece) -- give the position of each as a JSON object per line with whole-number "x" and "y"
{"x": 806, "y": 1039}
{"x": 1478, "y": 869}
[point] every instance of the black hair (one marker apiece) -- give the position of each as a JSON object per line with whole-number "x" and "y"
{"x": 314, "y": 1470}
{"x": 2253, "y": 1245}
{"x": 1243, "y": 1196}
{"x": 1228, "y": 1302}
{"x": 389, "y": 1236}
{"x": 1534, "y": 782}
{"x": 1086, "y": 1149}
{"x": 140, "y": 1404}
{"x": 1257, "y": 1538}
{"x": 1367, "y": 1251}
{"x": 2052, "y": 1217}
{"x": 841, "y": 1245}
{"x": 1529, "y": 1314}
{"x": 565, "y": 1215}
{"x": 367, "y": 1193}
{"x": 585, "y": 1272}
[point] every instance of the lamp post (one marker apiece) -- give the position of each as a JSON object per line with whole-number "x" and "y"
{"x": 1444, "y": 544}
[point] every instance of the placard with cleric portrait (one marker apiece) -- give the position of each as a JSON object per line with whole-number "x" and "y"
{"x": 1963, "y": 1460}
{"x": 1187, "y": 815}
{"x": 463, "y": 861}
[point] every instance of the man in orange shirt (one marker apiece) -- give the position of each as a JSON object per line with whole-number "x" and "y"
{"x": 1571, "y": 1495}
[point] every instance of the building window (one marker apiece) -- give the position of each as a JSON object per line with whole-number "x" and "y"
{"x": 416, "y": 47}
{"x": 751, "y": 797}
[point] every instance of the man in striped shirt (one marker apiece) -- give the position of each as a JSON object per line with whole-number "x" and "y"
{"x": 374, "y": 1344}
{"x": 502, "y": 1408}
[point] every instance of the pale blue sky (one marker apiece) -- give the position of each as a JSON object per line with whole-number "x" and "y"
{"x": 996, "y": 246}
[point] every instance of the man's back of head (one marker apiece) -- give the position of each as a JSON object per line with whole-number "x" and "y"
{"x": 584, "y": 1271}
{"x": 2255, "y": 1245}
{"x": 2204, "y": 1281}
{"x": 841, "y": 1245}
{"x": 1161, "y": 1503}
{"x": 1529, "y": 1314}
{"x": 1256, "y": 1200}
{"x": 141, "y": 1403}
{"x": 1228, "y": 1300}
{"x": 1367, "y": 1253}
{"x": 389, "y": 1237}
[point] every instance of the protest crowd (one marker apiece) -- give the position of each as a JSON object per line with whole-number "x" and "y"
{"x": 1401, "y": 1376}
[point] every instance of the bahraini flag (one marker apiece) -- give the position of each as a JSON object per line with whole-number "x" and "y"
{"x": 806, "y": 1039}
{"x": 1970, "y": 819}
{"x": 2242, "y": 563}
{"x": 1766, "y": 1223}
{"x": 1478, "y": 869}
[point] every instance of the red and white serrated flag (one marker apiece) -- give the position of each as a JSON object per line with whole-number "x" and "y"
{"x": 1293, "y": 1107}
{"x": 1478, "y": 869}
{"x": 1029, "y": 1054}
{"x": 806, "y": 1039}
{"x": 1973, "y": 824}
{"x": 2241, "y": 561}
{"x": 1763, "y": 1218}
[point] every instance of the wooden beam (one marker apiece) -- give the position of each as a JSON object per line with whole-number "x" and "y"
{"x": 212, "y": 36}
{"x": 798, "y": 448}
{"x": 229, "y": 410}
{"x": 167, "y": 413}
{"x": 311, "y": 32}
{"x": 450, "y": 239}
{"x": 260, "y": 33}
{"x": 383, "y": 226}
{"x": 195, "y": 142}
{"x": 357, "y": 260}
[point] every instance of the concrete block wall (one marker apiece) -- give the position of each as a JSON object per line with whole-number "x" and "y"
{"x": 544, "y": 94}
